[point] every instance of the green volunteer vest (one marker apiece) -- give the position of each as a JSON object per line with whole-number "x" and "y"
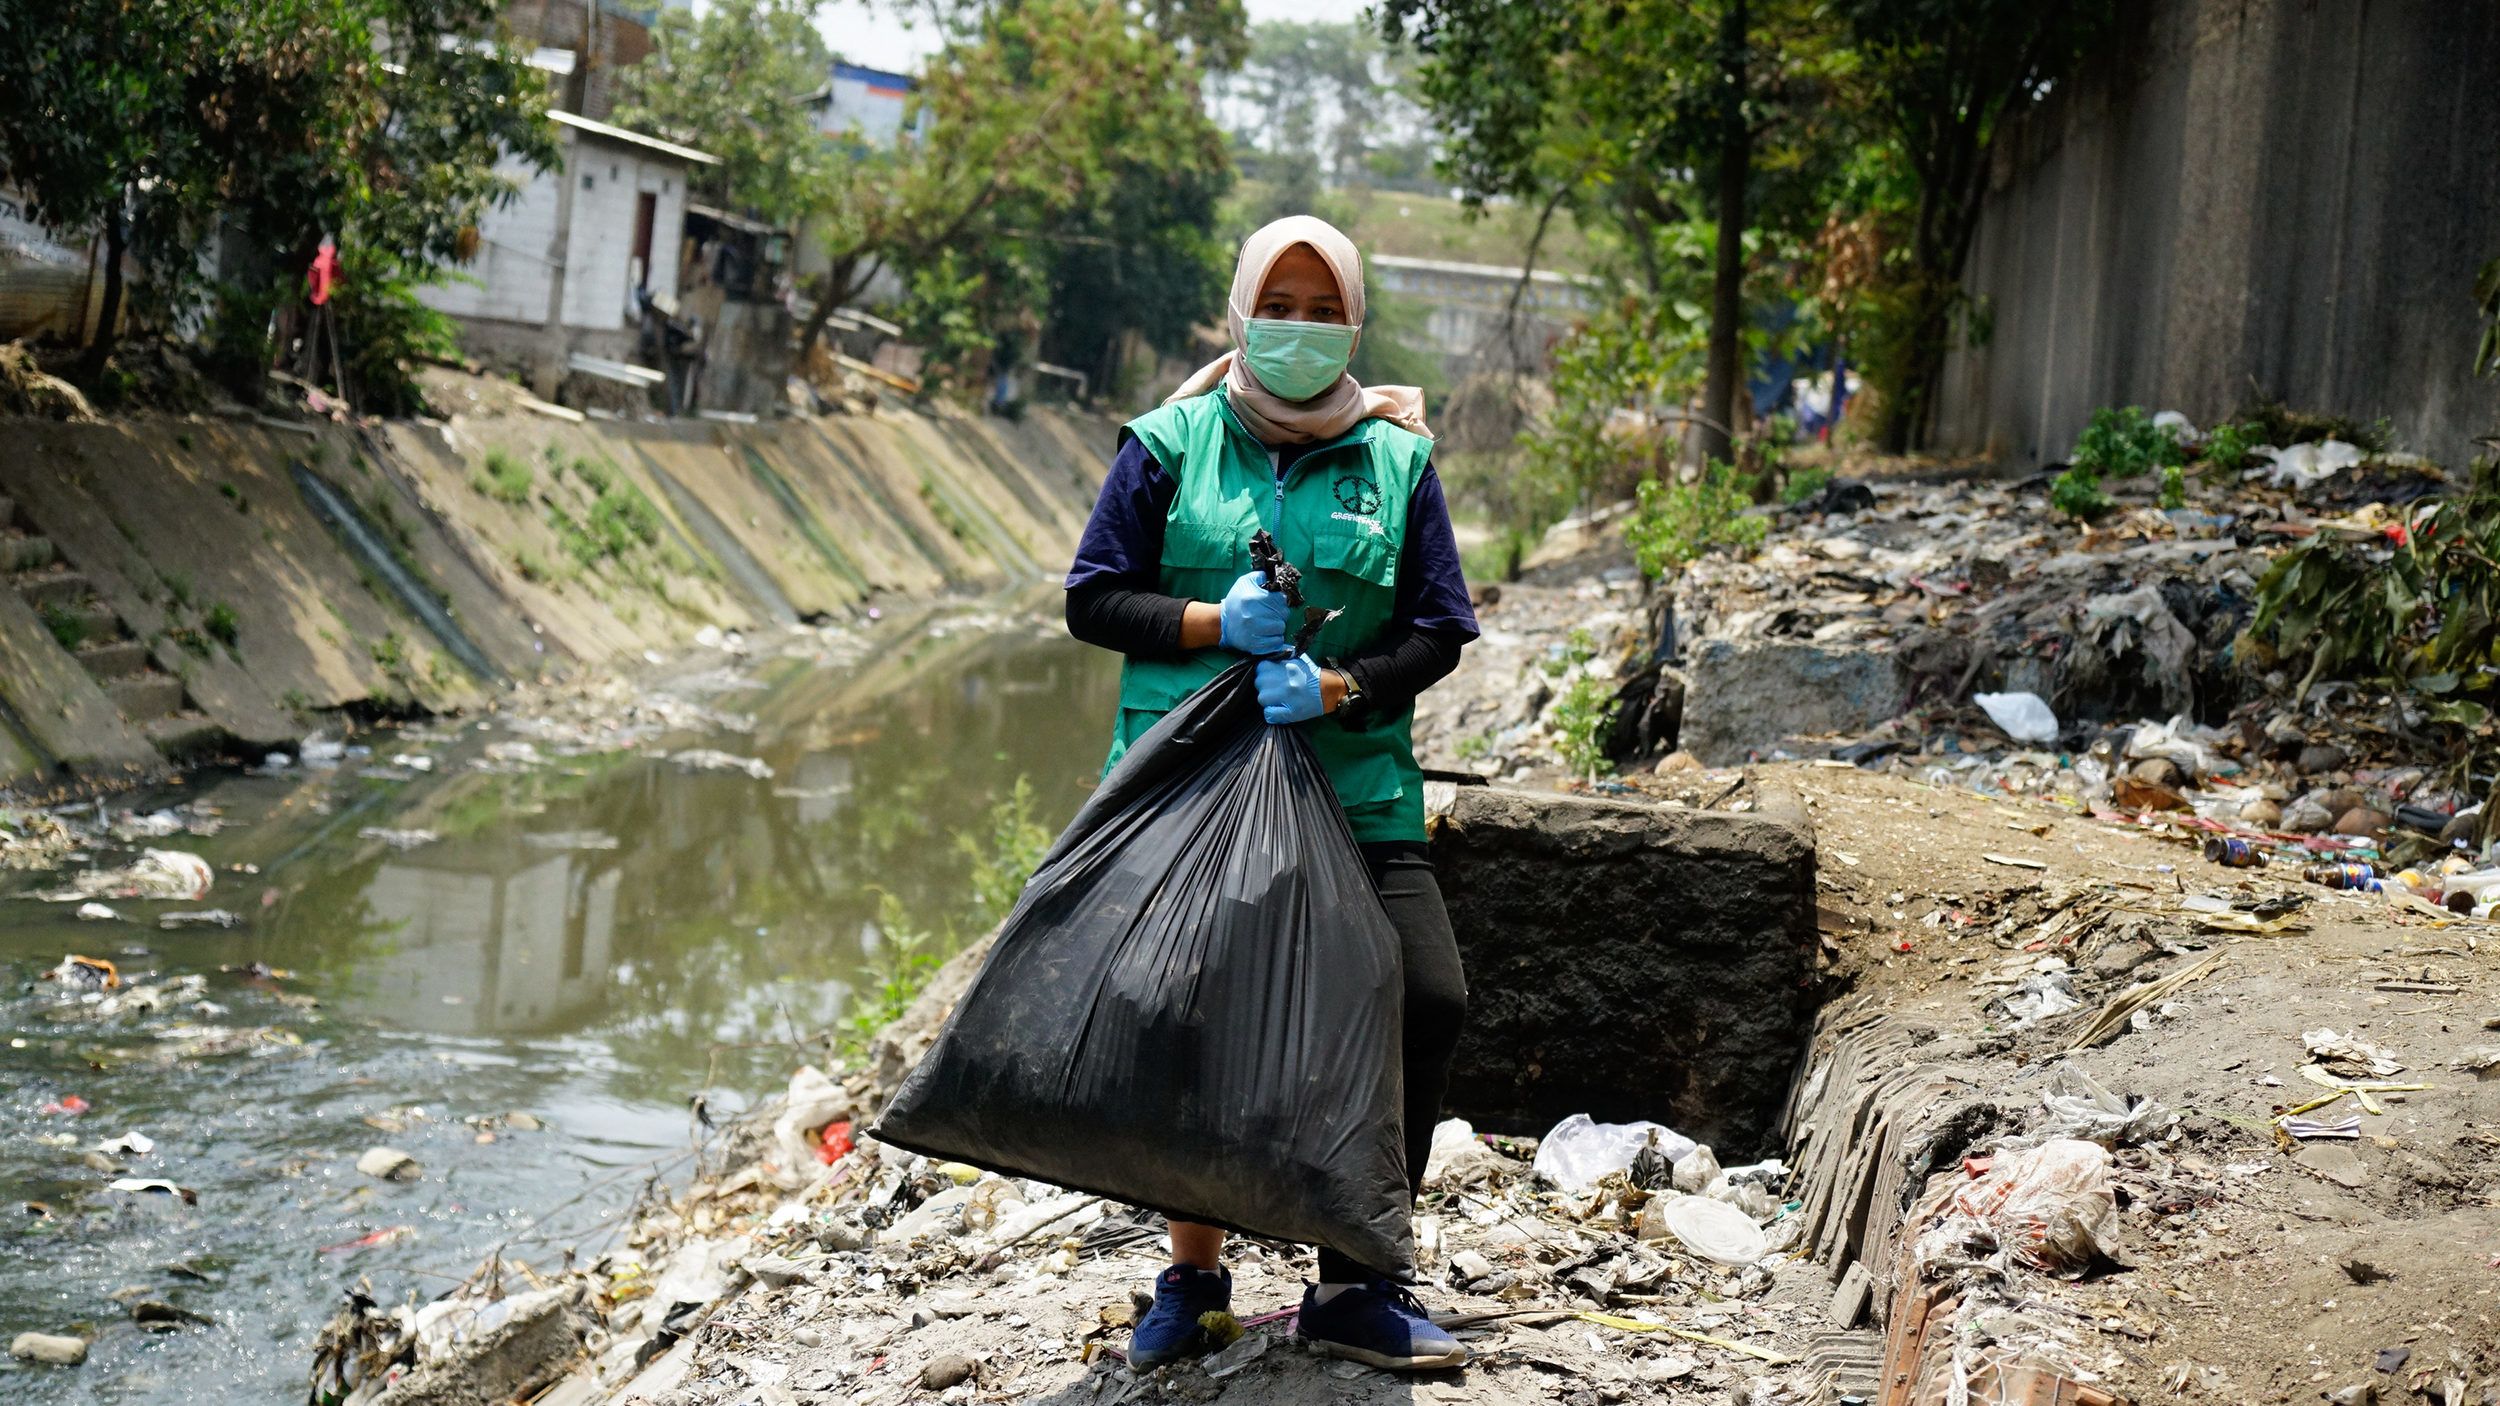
{"x": 1339, "y": 515}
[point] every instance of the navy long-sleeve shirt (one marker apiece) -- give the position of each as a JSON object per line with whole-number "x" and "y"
{"x": 1114, "y": 600}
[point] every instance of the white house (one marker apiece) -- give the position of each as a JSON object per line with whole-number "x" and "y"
{"x": 556, "y": 270}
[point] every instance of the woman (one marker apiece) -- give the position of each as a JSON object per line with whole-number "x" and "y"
{"x": 1275, "y": 434}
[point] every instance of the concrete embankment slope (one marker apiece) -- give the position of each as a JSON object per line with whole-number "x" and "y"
{"x": 178, "y": 585}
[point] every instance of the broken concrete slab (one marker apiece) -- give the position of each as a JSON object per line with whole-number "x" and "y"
{"x": 1629, "y": 960}
{"x": 1749, "y": 695}
{"x": 541, "y": 1336}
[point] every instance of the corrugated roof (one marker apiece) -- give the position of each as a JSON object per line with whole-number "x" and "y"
{"x": 601, "y": 129}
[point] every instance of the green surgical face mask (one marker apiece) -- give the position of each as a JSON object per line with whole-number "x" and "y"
{"x": 1296, "y": 360}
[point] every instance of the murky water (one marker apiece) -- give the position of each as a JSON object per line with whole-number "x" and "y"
{"x": 593, "y": 941}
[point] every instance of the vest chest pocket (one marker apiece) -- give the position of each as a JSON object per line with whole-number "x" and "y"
{"x": 1201, "y": 560}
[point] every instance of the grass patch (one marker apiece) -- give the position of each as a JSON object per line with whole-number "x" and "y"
{"x": 221, "y": 624}
{"x": 234, "y": 495}
{"x": 504, "y": 477}
{"x": 68, "y": 627}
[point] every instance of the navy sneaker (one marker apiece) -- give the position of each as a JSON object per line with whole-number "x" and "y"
{"x": 1379, "y": 1324}
{"x": 1170, "y": 1330}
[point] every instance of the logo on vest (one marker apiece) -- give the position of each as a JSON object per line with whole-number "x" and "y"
{"x": 1357, "y": 494}
{"x": 1368, "y": 524}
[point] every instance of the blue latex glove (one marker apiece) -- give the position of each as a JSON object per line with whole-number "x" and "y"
{"x": 1289, "y": 689}
{"x": 1254, "y": 617}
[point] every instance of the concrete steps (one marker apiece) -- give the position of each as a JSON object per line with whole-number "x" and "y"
{"x": 113, "y": 659}
{"x": 55, "y": 585}
{"x": 185, "y": 734}
{"x": 144, "y": 698}
{"x": 25, "y": 551}
{"x": 95, "y": 635}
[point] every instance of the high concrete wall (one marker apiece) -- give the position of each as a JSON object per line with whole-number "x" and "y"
{"x": 2244, "y": 197}
{"x": 173, "y": 584}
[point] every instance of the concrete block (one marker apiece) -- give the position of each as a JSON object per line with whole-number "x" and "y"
{"x": 1628, "y": 960}
{"x": 1740, "y": 696}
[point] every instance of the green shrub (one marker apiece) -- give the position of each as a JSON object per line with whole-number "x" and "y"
{"x": 1007, "y": 855}
{"x": 67, "y": 627}
{"x": 505, "y": 478}
{"x": 892, "y": 978}
{"x": 1804, "y": 484}
{"x": 1674, "y": 524}
{"x": 221, "y": 624}
{"x": 1580, "y": 721}
{"x": 2228, "y": 448}
{"x": 2173, "y": 487}
{"x": 2119, "y": 442}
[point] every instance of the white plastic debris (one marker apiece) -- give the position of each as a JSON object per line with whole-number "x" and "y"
{"x": 1695, "y": 1170}
{"x": 1714, "y": 1230}
{"x": 1460, "y": 1158}
{"x": 2025, "y": 717}
{"x": 2050, "y": 1207}
{"x": 1580, "y": 1151}
{"x": 2042, "y": 994}
{"x": 96, "y": 913}
{"x": 2181, "y": 428}
{"x": 2303, "y": 465}
{"x": 813, "y": 1101}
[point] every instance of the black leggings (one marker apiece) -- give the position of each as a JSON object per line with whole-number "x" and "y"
{"x": 1436, "y": 1006}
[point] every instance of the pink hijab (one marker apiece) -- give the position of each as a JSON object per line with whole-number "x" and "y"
{"x": 1274, "y": 419}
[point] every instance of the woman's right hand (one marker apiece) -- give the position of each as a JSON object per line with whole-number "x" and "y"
{"x": 1253, "y": 617}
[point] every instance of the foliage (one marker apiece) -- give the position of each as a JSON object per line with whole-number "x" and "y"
{"x": 1941, "y": 81}
{"x": 734, "y": 80}
{"x": 1804, "y": 484}
{"x": 506, "y": 477}
{"x": 1056, "y": 179}
{"x": 2228, "y": 447}
{"x": 1323, "y": 103}
{"x": 2077, "y": 493}
{"x": 2271, "y": 421}
{"x": 265, "y": 125}
{"x": 2123, "y": 442}
{"x": 221, "y": 623}
{"x": 1616, "y": 380}
{"x": 1679, "y": 520}
{"x": 896, "y": 971}
{"x": 1005, "y": 857}
{"x": 2118, "y": 442}
{"x": 2416, "y": 608}
{"x": 68, "y": 627}
{"x": 1639, "y": 118}
{"x": 1582, "y": 717}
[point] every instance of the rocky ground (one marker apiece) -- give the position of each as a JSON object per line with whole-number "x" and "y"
{"x": 2175, "y": 1129}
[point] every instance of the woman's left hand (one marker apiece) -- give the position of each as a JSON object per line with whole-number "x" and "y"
{"x": 1293, "y": 690}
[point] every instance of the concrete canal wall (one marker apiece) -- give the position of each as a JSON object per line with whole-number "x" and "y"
{"x": 178, "y": 586}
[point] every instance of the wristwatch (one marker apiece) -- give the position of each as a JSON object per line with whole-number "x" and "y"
{"x": 1356, "y": 704}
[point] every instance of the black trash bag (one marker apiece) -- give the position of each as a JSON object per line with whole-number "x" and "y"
{"x": 1195, "y": 1006}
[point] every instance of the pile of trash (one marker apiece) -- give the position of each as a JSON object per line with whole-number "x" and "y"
{"x": 808, "y": 1258}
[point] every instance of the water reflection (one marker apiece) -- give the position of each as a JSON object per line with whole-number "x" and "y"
{"x": 595, "y": 940}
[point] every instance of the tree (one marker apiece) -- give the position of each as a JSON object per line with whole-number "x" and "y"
{"x": 1637, "y": 116}
{"x": 164, "y": 122}
{"x": 1057, "y": 170}
{"x": 1944, "y": 78}
{"x": 736, "y": 82}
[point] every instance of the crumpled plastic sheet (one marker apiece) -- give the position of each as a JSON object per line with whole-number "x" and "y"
{"x": 2047, "y": 1208}
{"x": 2141, "y": 618}
{"x": 2305, "y": 465}
{"x": 2081, "y": 1107}
{"x": 2042, "y": 995}
{"x": 1580, "y": 1152}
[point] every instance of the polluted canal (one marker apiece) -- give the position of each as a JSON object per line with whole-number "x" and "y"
{"x": 531, "y": 953}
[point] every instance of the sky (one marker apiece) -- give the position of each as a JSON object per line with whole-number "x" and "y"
{"x": 873, "y": 35}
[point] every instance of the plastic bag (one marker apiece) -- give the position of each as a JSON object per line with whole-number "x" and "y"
{"x": 2050, "y": 1206}
{"x": 1579, "y": 1152}
{"x": 1196, "y": 1006}
{"x": 2025, "y": 717}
